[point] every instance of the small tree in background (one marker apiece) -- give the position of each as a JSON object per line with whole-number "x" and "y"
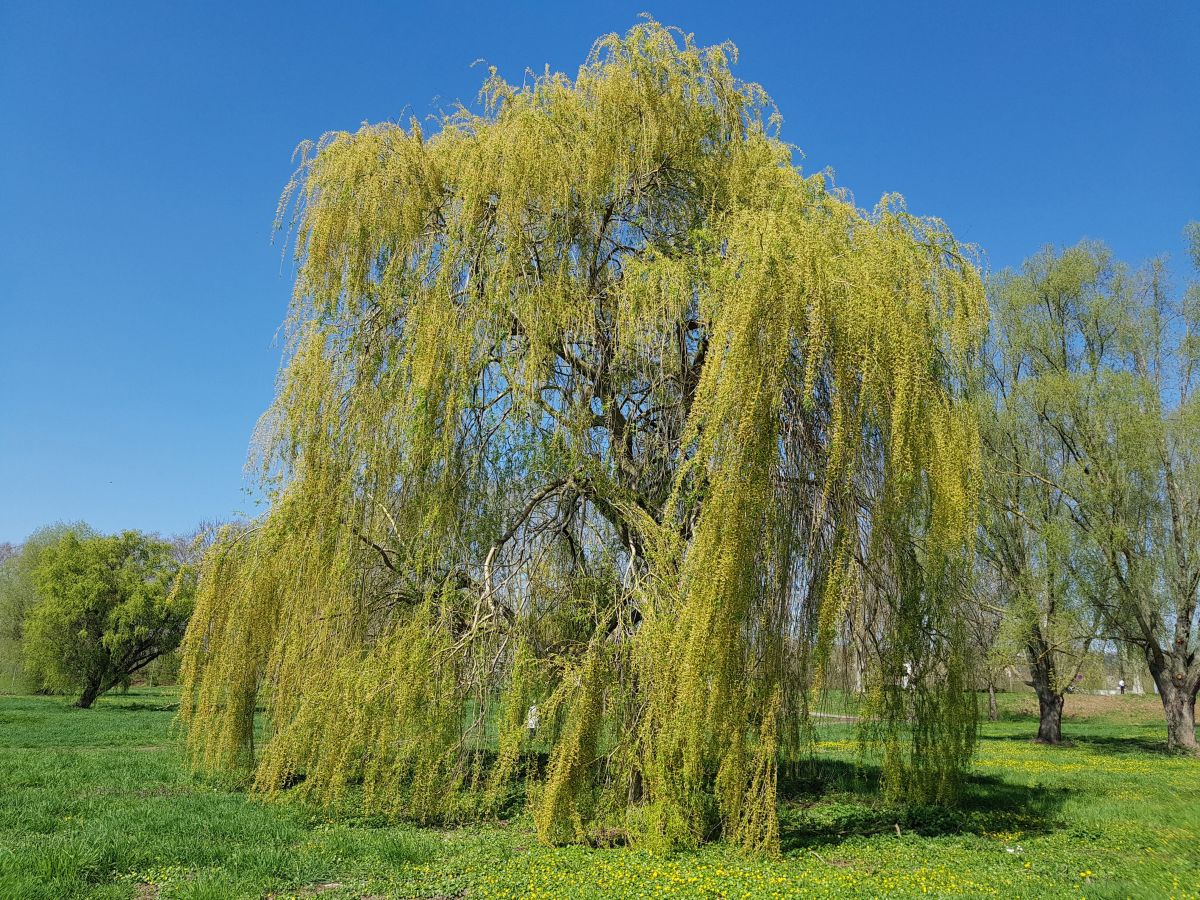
{"x": 18, "y": 593}
{"x": 991, "y": 642}
{"x": 107, "y": 607}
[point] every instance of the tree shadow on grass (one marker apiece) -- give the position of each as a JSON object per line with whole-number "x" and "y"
{"x": 824, "y": 802}
{"x": 139, "y": 706}
{"x": 1124, "y": 745}
{"x": 135, "y": 700}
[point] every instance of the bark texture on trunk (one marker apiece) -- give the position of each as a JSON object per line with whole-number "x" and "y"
{"x": 1179, "y": 706}
{"x": 1044, "y": 680}
{"x": 91, "y": 690}
{"x": 1178, "y": 694}
{"x": 1050, "y": 707}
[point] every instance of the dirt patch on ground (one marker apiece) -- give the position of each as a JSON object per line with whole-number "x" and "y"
{"x": 1130, "y": 709}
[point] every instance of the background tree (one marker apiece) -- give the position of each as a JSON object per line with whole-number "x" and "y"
{"x": 187, "y": 550}
{"x": 107, "y": 607}
{"x": 18, "y": 593}
{"x": 1041, "y": 583}
{"x": 594, "y": 401}
{"x": 991, "y": 642}
{"x": 1112, "y": 359}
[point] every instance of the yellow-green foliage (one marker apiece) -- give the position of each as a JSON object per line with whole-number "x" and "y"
{"x": 595, "y": 401}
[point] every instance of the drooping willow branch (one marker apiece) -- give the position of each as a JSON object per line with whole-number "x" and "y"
{"x": 630, "y": 415}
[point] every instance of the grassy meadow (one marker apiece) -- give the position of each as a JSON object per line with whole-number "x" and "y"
{"x": 97, "y": 803}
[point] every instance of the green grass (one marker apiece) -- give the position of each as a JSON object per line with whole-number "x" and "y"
{"x": 96, "y": 803}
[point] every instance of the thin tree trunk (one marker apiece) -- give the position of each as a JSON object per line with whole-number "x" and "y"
{"x": 993, "y": 713}
{"x": 635, "y": 788}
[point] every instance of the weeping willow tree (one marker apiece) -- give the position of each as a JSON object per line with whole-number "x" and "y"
{"x": 595, "y": 403}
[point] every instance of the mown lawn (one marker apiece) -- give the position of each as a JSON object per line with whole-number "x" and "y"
{"x": 97, "y": 804}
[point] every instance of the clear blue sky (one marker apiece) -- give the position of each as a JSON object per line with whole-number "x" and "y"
{"x": 145, "y": 145}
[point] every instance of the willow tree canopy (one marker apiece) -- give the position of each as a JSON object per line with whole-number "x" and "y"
{"x": 595, "y": 403}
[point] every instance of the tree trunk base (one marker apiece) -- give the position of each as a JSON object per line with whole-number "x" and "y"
{"x": 89, "y": 695}
{"x": 1050, "y": 707}
{"x": 1180, "y": 710}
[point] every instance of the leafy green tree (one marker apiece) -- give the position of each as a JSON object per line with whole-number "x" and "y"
{"x": 18, "y": 592}
{"x": 107, "y": 607}
{"x": 1112, "y": 360}
{"x": 596, "y": 403}
{"x": 1041, "y": 582}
